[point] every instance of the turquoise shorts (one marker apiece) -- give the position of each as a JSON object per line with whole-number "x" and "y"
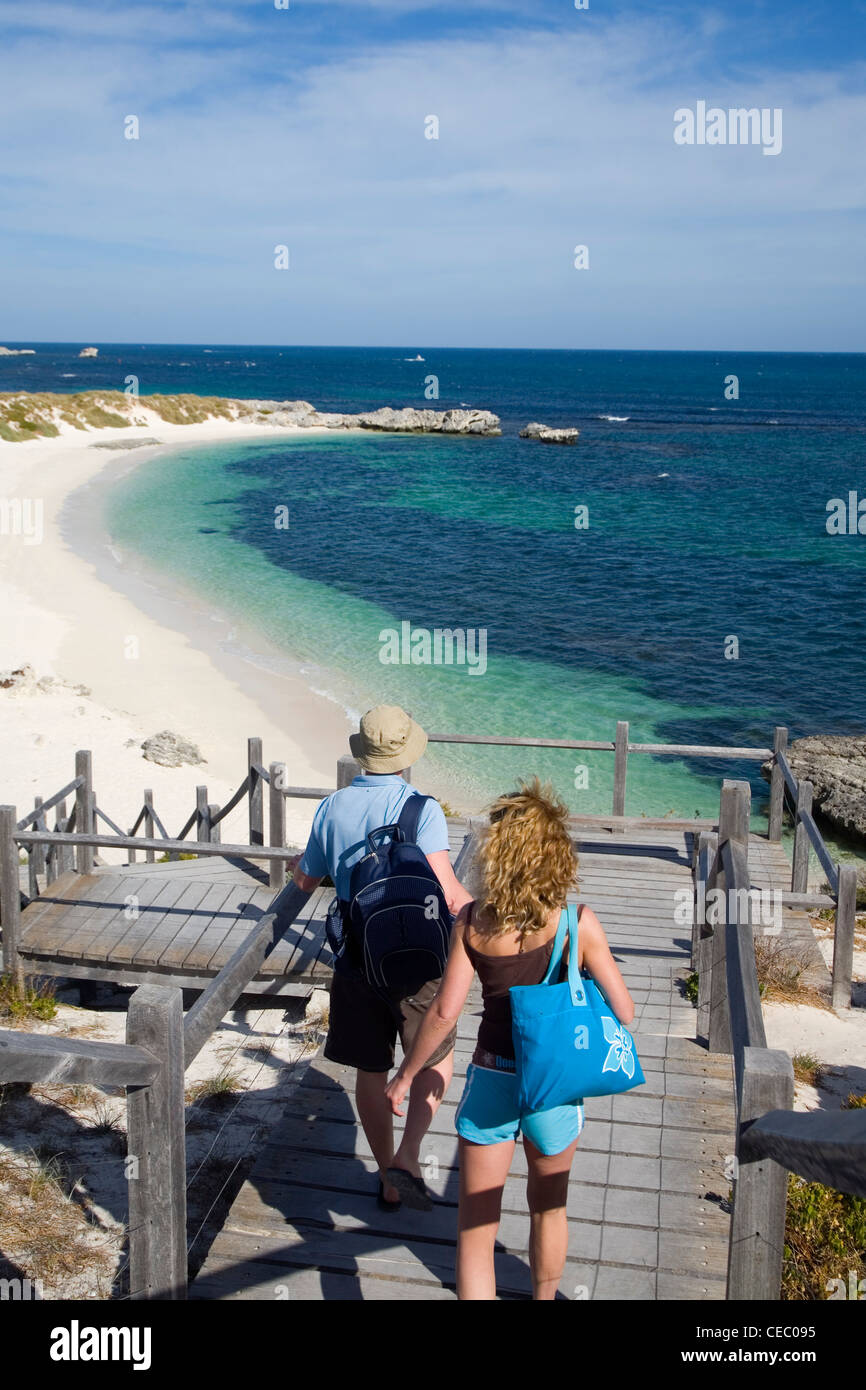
{"x": 488, "y": 1114}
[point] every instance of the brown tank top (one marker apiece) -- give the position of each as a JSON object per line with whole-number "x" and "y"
{"x": 494, "y": 1047}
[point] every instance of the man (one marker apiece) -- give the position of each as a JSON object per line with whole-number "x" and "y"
{"x": 364, "y": 1023}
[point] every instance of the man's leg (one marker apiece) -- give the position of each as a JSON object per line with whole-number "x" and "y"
{"x": 429, "y": 1086}
{"x": 377, "y": 1121}
{"x": 425, "y": 1097}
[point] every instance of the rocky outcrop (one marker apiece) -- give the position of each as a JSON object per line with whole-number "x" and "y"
{"x": 89, "y": 352}
{"x": 27, "y": 415}
{"x": 170, "y": 750}
{"x": 836, "y": 767}
{"x": 24, "y": 681}
{"x": 548, "y": 435}
{"x": 405, "y": 420}
{"x": 17, "y": 352}
{"x": 409, "y": 420}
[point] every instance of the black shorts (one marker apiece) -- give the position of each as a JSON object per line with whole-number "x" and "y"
{"x": 363, "y": 1024}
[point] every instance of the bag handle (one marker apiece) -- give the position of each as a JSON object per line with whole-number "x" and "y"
{"x": 575, "y": 984}
{"x": 568, "y": 920}
{"x": 558, "y": 943}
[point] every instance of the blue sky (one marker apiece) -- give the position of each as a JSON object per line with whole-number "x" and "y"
{"x": 305, "y": 127}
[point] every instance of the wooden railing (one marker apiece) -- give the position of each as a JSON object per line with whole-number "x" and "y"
{"x": 770, "y": 1139}
{"x": 160, "y": 1045}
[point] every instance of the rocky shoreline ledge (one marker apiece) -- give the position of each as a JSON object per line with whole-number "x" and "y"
{"x": 26, "y": 415}
{"x": 836, "y": 767}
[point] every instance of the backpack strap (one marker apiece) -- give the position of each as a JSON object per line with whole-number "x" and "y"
{"x": 410, "y": 815}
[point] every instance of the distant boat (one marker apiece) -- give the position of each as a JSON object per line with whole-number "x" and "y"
{"x": 89, "y": 352}
{"x": 419, "y": 358}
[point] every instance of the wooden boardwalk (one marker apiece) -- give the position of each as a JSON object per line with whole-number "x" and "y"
{"x": 647, "y": 1203}
{"x": 169, "y": 924}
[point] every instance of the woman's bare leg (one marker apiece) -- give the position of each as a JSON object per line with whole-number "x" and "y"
{"x": 547, "y": 1193}
{"x": 483, "y": 1170}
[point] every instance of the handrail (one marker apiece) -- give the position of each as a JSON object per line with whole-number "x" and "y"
{"x": 697, "y": 750}
{"x": 52, "y": 801}
{"x": 787, "y": 773}
{"x": 97, "y": 811}
{"x": 188, "y": 826}
{"x": 822, "y": 1146}
{"x": 233, "y": 801}
{"x": 261, "y": 772}
{"x": 38, "y": 1057}
{"x": 202, "y": 847}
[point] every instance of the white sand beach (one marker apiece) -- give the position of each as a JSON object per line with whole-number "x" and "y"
{"x": 67, "y": 614}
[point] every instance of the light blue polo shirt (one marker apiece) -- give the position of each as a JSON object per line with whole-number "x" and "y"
{"x": 344, "y": 819}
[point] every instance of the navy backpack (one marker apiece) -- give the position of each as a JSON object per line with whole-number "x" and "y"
{"x": 398, "y": 916}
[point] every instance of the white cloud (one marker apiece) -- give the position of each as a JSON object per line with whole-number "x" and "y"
{"x": 544, "y": 142}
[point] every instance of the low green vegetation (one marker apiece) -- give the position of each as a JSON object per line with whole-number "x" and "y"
{"x": 690, "y": 987}
{"x": 825, "y": 1240}
{"x": 36, "y": 1000}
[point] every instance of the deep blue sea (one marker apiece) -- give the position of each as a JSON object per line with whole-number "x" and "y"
{"x": 706, "y": 537}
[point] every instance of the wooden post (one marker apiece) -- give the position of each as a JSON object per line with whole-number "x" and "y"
{"x": 214, "y": 830}
{"x": 347, "y": 770}
{"x": 703, "y": 962}
{"x": 734, "y": 813}
{"x": 61, "y": 860}
{"x": 620, "y": 762}
{"x": 843, "y": 944}
{"x": 777, "y": 786}
{"x": 757, "y": 1234}
{"x": 149, "y": 854}
{"x": 800, "y": 871}
{"x": 156, "y": 1163}
{"x": 36, "y": 856}
{"x": 705, "y": 856}
{"x": 202, "y": 829}
{"x": 277, "y": 822}
{"x": 84, "y": 854}
{"x": 10, "y": 897}
{"x": 256, "y": 801}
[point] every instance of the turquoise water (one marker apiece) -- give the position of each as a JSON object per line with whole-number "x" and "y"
{"x": 701, "y": 530}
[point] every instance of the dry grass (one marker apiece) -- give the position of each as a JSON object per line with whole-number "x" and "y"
{"x": 42, "y": 1229}
{"x": 808, "y": 1068}
{"x": 29, "y": 415}
{"x": 214, "y": 1088}
{"x": 781, "y": 971}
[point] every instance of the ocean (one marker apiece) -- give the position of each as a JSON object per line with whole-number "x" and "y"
{"x": 673, "y": 568}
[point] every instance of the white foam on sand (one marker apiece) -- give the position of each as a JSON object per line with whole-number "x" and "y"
{"x": 67, "y": 611}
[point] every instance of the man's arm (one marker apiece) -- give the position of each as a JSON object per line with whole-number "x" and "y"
{"x": 455, "y": 894}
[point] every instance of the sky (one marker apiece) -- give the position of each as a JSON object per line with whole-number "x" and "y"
{"x": 306, "y": 127}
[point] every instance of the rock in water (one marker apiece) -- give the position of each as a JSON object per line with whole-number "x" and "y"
{"x": 409, "y": 420}
{"x": 548, "y": 435}
{"x": 170, "y": 750}
{"x": 836, "y": 767}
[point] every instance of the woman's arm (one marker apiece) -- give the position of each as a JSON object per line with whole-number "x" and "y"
{"x": 602, "y": 966}
{"x": 439, "y": 1019}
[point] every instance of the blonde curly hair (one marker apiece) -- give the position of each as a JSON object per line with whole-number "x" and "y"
{"x": 527, "y": 860}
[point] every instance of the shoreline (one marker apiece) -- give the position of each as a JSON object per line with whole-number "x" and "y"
{"x": 76, "y": 613}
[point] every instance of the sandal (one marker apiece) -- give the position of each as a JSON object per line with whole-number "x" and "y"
{"x": 411, "y": 1189}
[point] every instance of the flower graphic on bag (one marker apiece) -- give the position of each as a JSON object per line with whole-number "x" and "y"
{"x": 620, "y": 1052}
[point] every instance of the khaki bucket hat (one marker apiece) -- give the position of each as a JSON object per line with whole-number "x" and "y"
{"x": 389, "y": 740}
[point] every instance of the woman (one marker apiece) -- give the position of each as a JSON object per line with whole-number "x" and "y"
{"x": 506, "y": 935}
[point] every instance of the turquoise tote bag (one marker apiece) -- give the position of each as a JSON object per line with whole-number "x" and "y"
{"x": 567, "y": 1041}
